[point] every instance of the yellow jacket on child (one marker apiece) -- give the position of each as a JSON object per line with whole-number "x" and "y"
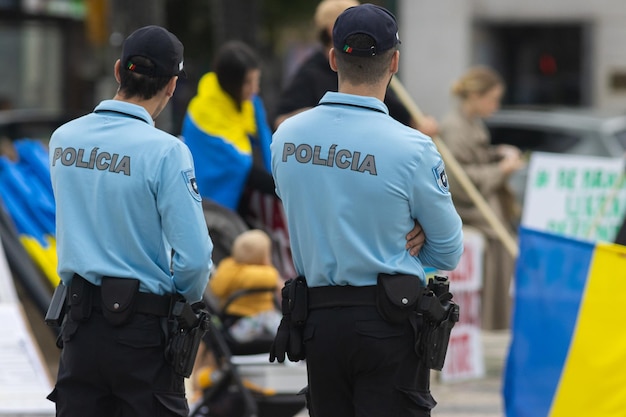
{"x": 231, "y": 276}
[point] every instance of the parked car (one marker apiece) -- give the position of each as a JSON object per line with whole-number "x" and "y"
{"x": 558, "y": 130}
{"x": 572, "y": 131}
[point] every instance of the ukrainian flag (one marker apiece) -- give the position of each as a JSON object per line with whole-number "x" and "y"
{"x": 26, "y": 191}
{"x": 568, "y": 342}
{"x": 221, "y": 138}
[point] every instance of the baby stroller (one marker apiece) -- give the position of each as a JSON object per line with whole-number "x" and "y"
{"x": 241, "y": 381}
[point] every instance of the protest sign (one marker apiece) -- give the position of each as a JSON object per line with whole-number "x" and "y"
{"x": 582, "y": 197}
{"x": 464, "y": 359}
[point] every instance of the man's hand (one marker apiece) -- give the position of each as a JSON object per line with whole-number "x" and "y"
{"x": 415, "y": 239}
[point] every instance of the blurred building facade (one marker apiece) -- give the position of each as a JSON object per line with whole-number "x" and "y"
{"x": 38, "y": 39}
{"x": 59, "y": 53}
{"x": 550, "y": 52}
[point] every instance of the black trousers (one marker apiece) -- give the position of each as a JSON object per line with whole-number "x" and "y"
{"x": 120, "y": 371}
{"x": 358, "y": 365}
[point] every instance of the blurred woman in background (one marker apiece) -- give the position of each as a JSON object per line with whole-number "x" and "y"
{"x": 478, "y": 93}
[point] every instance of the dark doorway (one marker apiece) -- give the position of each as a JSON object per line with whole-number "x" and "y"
{"x": 542, "y": 64}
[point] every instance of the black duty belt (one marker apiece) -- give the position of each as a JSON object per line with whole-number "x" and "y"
{"x": 145, "y": 303}
{"x": 341, "y": 296}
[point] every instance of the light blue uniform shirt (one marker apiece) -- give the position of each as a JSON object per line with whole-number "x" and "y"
{"x": 126, "y": 197}
{"x": 352, "y": 179}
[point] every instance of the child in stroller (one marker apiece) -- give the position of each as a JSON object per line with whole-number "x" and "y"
{"x": 218, "y": 377}
{"x": 253, "y": 315}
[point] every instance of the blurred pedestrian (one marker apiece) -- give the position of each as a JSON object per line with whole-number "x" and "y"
{"x": 131, "y": 239}
{"x": 479, "y": 92}
{"x": 378, "y": 177}
{"x": 226, "y": 128}
{"x": 315, "y": 76}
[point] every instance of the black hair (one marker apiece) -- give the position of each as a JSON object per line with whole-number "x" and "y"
{"x": 133, "y": 84}
{"x": 232, "y": 63}
{"x": 324, "y": 37}
{"x": 363, "y": 70}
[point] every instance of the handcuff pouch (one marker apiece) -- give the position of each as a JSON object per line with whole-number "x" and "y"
{"x": 118, "y": 299}
{"x": 397, "y": 296}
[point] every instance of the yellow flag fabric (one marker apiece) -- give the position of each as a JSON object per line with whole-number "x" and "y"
{"x": 214, "y": 112}
{"x": 45, "y": 257}
{"x": 593, "y": 381}
{"x": 568, "y": 347}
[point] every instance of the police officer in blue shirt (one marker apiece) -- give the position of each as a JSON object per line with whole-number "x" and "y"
{"x": 352, "y": 179}
{"x": 131, "y": 238}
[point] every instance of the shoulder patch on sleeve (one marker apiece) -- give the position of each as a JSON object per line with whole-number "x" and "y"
{"x": 192, "y": 186}
{"x": 439, "y": 171}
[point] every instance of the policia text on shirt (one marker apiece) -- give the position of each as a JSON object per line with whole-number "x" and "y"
{"x": 100, "y": 160}
{"x": 341, "y": 158}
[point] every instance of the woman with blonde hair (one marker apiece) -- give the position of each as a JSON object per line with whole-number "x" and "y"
{"x": 479, "y": 92}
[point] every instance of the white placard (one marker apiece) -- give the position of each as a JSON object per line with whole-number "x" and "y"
{"x": 582, "y": 197}
{"x": 464, "y": 359}
{"x": 7, "y": 289}
{"x": 467, "y": 276}
{"x": 24, "y": 382}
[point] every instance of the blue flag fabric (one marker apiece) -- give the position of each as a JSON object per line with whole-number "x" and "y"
{"x": 223, "y": 139}
{"x": 26, "y": 193}
{"x": 566, "y": 338}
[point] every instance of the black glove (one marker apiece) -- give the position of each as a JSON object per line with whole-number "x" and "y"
{"x": 288, "y": 338}
{"x": 288, "y": 341}
{"x": 281, "y": 341}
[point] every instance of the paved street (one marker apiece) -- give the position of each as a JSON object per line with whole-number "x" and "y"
{"x": 479, "y": 397}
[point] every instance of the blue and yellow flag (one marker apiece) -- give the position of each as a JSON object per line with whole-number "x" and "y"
{"x": 221, "y": 138}
{"x": 26, "y": 192}
{"x": 568, "y": 342}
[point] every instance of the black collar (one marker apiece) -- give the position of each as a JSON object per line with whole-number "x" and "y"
{"x": 122, "y": 113}
{"x": 352, "y": 105}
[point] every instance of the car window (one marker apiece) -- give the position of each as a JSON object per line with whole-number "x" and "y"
{"x": 547, "y": 141}
{"x": 621, "y": 138}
